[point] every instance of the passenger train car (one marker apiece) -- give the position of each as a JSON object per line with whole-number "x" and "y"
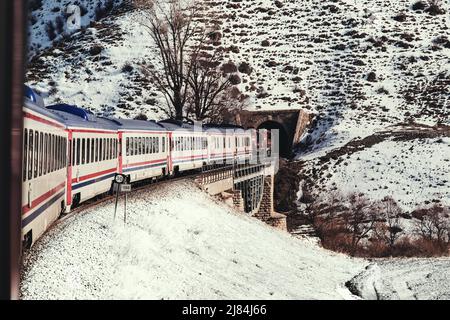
{"x": 70, "y": 156}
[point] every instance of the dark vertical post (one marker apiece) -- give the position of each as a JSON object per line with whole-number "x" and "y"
{"x": 12, "y": 44}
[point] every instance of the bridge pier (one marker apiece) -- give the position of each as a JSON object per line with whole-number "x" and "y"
{"x": 250, "y": 190}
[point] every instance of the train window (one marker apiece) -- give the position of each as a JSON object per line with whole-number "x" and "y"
{"x": 147, "y": 145}
{"x": 36, "y": 153}
{"x": 127, "y": 146}
{"x": 163, "y": 144}
{"x": 110, "y": 148}
{"x": 30, "y": 155}
{"x": 139, "y": 145}
{"x": 59, "y": 153}
{"x": 53, "y": 155}
{"x": 92, "y": 150}
{"x": 41, "y": 153}
{"x": 96, "y": 149}
{"x": 88, "y": 150}
{"x": 78, "y": 152}
{"x": 157, "y": 144}
{"x": 57, "y": 150}
{"x": 100, "y": 150}
{"x": 72, "y": 147}
{"x": 63, "y": 152}
{"x": 25, "y": 155}
{"x": 106, "y": 148}
{"x": 131, "y": 146}
{"x": 50, "y": 153}
{"x": 83, "y": 150}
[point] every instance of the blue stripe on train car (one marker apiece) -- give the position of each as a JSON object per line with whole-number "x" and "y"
{"x": 155, "y": 165}
{"x": 41, "y": 209}
{"x": 189, "y": 160}
{"x": 95, "y": 180}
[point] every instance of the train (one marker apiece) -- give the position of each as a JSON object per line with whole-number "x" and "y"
{"x": 70, "y": 155}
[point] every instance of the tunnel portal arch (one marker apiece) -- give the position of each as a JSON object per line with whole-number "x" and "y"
{"x": 284, "y": 141}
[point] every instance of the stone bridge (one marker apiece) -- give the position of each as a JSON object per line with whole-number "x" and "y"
{"x": 291, "y": 124}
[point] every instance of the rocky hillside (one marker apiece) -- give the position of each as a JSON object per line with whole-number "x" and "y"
{"x": 370, "y": 71}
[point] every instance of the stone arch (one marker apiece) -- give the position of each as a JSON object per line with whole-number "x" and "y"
{"x": 285, "y": 146}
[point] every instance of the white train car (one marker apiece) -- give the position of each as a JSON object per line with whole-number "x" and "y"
{"x": 144, "y": 149}
{"x": 188, "y": 147}
{"x": 44, "y": 168}
{"x": 93, "y": 153}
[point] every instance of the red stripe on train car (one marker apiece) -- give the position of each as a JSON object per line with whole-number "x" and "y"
{"x": 145, "y": 162}
{"x": 42, "y": 120}
{"x": 93, "y": 131}
{"x": 93, "y": 175}
{"x": 42, "y": 198}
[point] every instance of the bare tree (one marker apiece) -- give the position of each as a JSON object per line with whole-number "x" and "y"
{"x": 210, "y": 88}
{"x": 434, "y": 225}
{"x": 359, "y": 219}
{"x": 389, "y": 231}
{"x": 171, "y": 25}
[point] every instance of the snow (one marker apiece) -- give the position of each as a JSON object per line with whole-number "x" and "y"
{"x": 179, "y": 243}
{"x": 405, "y": 279}
{"x": 413, "y": 172}
{"x": 47, "y": 11}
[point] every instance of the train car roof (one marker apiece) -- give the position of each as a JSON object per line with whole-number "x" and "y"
{"x": 173, "y": 125}
{"x": 77, "y": 117}
{"x": 129, "y": 124}
{"x": 43, "y": 111}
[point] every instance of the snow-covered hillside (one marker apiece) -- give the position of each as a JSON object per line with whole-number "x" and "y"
{"x": 179, "y": 243}
{"x": 51, "y": 21}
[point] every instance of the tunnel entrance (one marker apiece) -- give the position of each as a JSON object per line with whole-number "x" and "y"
{"x": 285, "y": 143}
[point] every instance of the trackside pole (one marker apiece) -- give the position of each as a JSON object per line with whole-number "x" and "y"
{"x": 117, "y": 198}
{"x": 125, "y": 209}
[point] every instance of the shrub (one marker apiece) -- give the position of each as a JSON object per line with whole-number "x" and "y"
{"x": 141, "y": 116}
{"x": 419, "y": 5}
{"x": 235, "y": 79}
{"x": 401, "y": 17}
{"x": 127, "y": 68}
{"x": 245, "y": 67}
{"x": 95, "y": 50}
{"x": 59, "y": 23}
{"x": 435, "y": 8}
{"x": 50, "y": 30}
{"x": 372, "y": 77}
{"x": 229, "y": 67}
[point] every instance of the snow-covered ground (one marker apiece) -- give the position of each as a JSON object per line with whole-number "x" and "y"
{"x": 405, "y": 279}
{"x": 52, "y": 20}
{"x": 410, "y": 171}
{"x": 179, "y": 243}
